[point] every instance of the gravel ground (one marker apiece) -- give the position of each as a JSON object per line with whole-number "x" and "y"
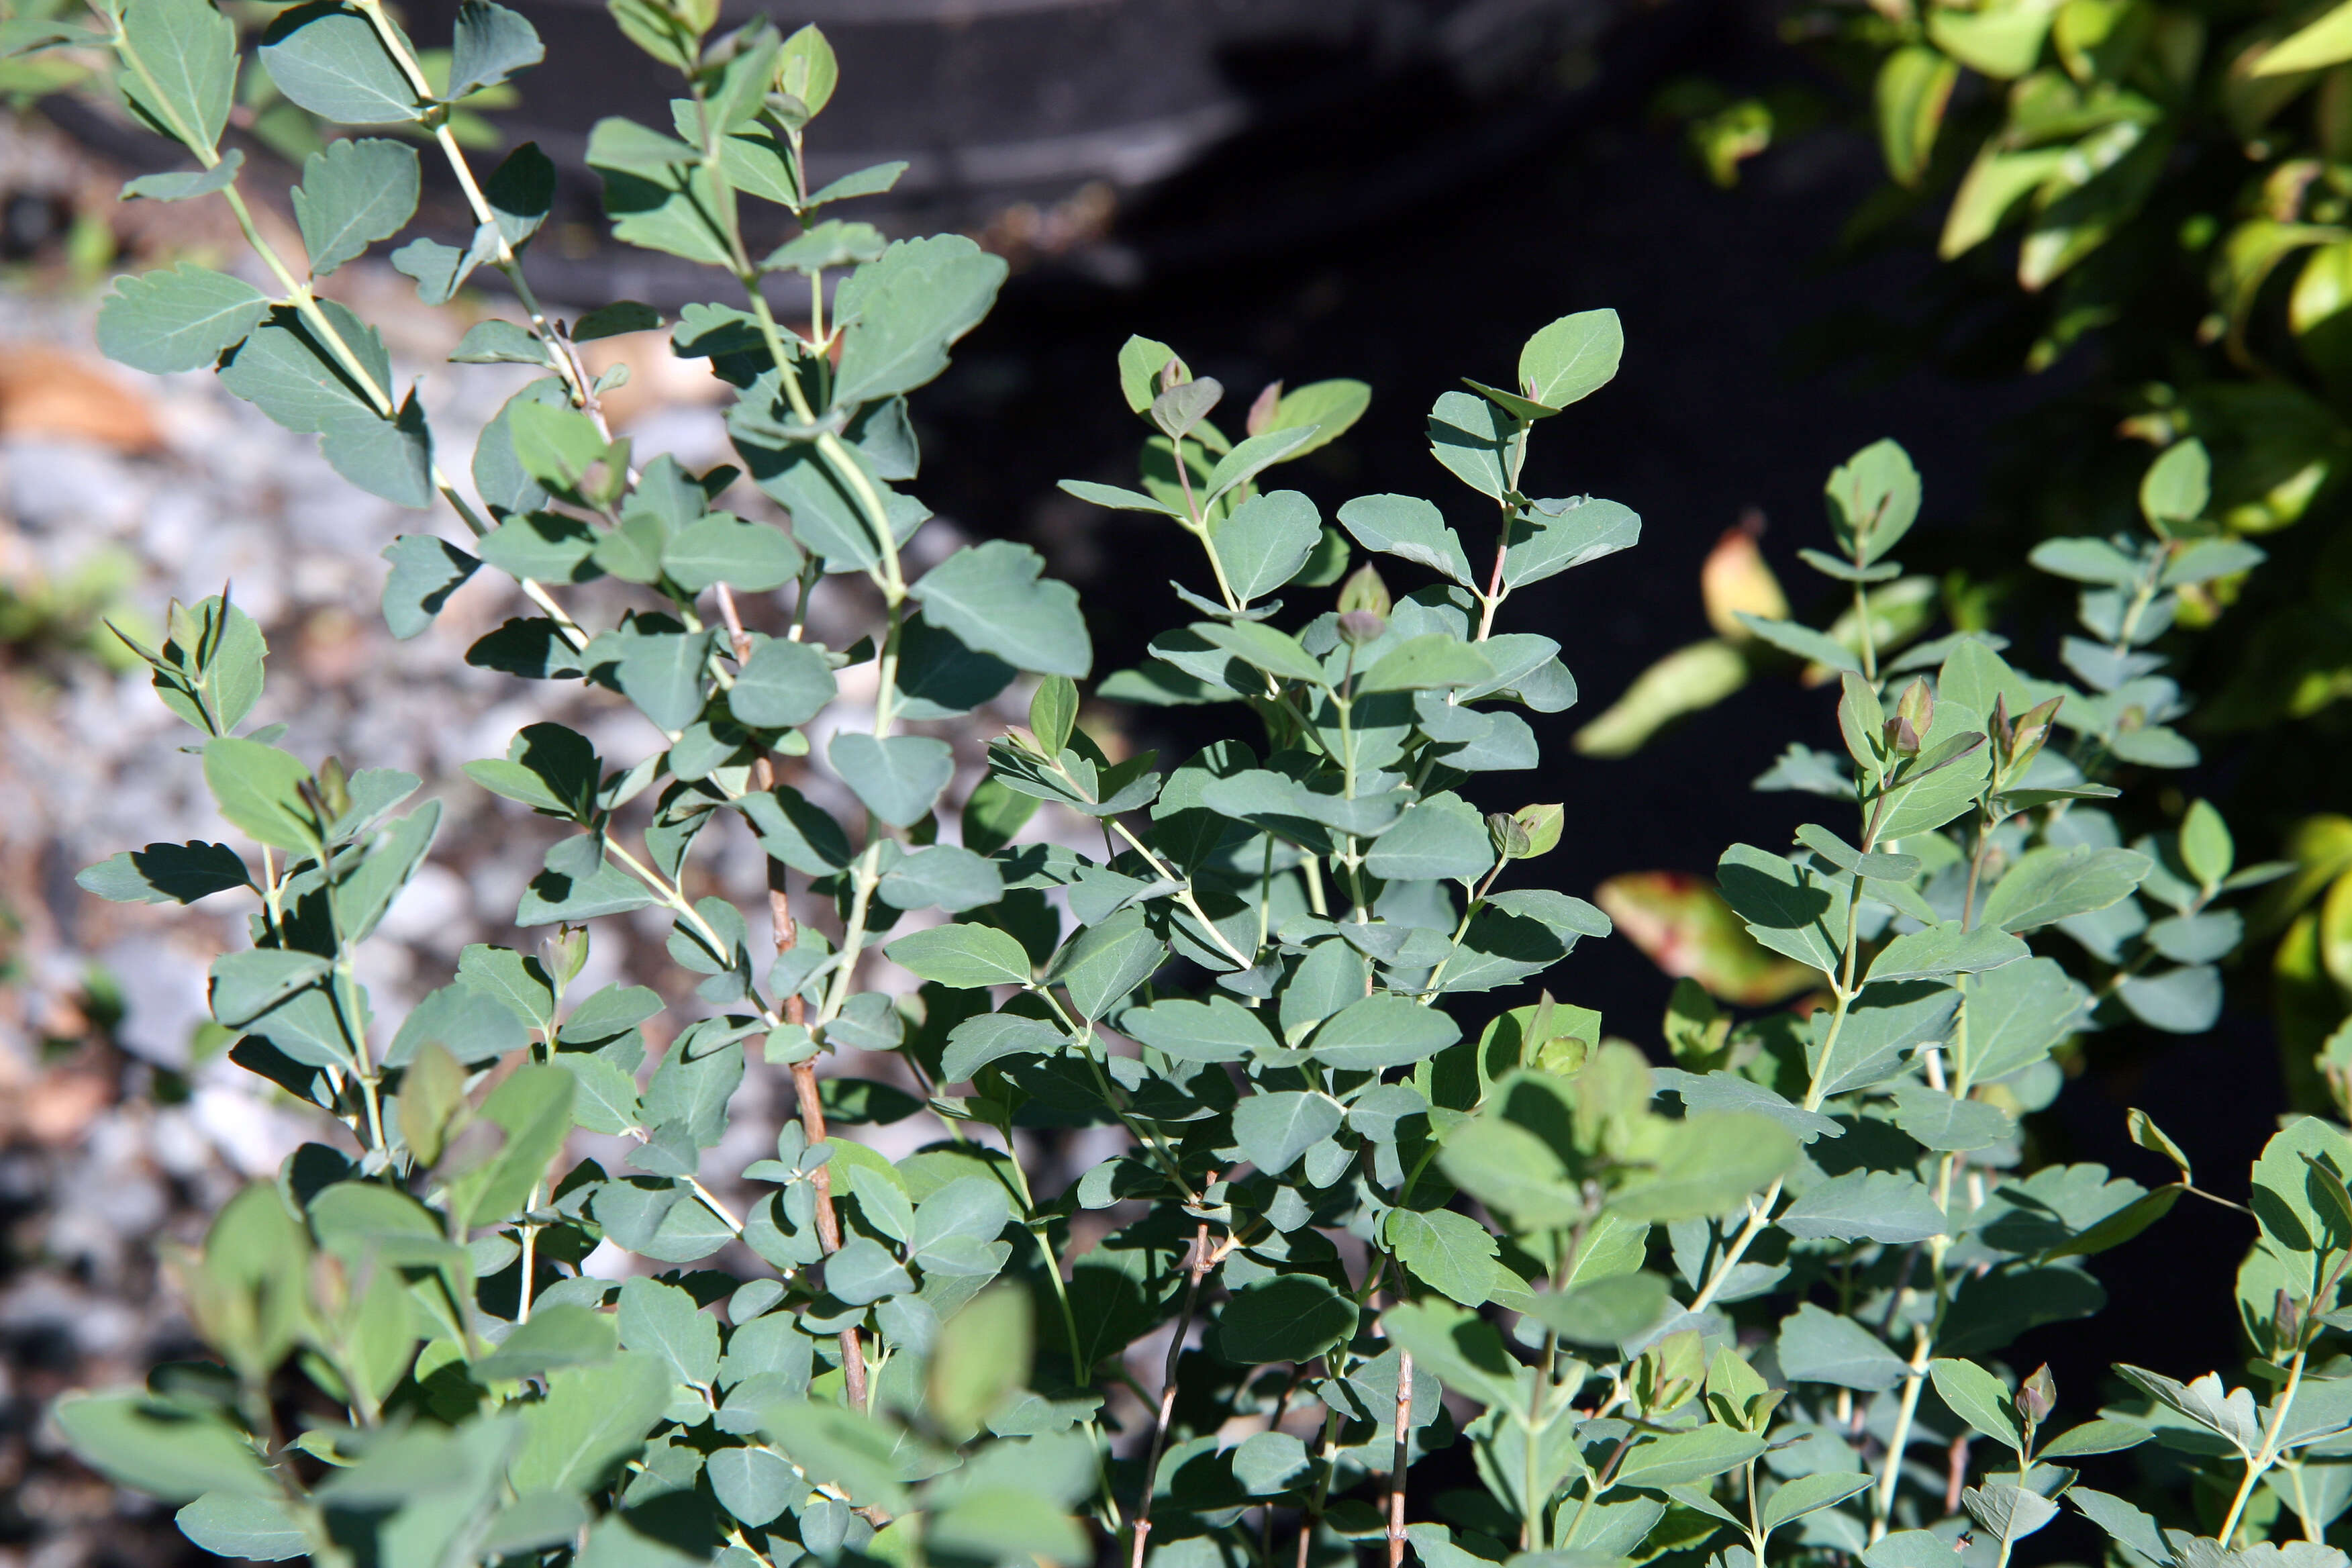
{"x": 118, "y": 493}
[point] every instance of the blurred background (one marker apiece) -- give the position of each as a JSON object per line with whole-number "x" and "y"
{"x": 1394, "y": 190}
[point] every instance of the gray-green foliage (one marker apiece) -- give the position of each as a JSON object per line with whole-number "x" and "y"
{"x": 1349, "y": 1188}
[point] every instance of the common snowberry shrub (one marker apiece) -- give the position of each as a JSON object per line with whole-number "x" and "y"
{"x": 1750, "y": 1306}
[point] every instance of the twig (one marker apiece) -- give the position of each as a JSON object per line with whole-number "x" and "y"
{"x": 1196, "y": 1270}
{"x": 1397, "y": 1465}
{"x": 828, "y": 1224}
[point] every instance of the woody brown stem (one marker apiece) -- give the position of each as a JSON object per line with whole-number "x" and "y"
{"x": 1397, "y": 1465}
{"x": 788, "y": 936}
{"x": 1196, "y": 1270}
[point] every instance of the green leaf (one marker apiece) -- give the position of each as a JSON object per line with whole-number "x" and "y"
{"x": 1469, "y": 436}
{"x": 1331, "y": 408}
{"x": 1959, "y": 1126}
{"x": 2017, "y": 1015}
{"x": 1873, "y": 501}
{"x": 1106, "y": 961}
{"x": 1794, "y": 1498}
{"x": 1944, "y": 950}
{"x": 1464, "y": 1352}
{"x": 257, "y": 789}
{"x": 2315, "y": 46}
{"x": 160, "y": 1449}
{"x": 1449, "y": 1252}
{"x": 328, "y": 58}
{"x": 534, "y": 1109}
{"x": 1544, "y": 545}
{"x": 1914, "y": 85}
{"x": 1787, "y": 908}
{"x": 874, "y": 179}
{"x": 180, "y": 319}
{"x": 1117, "y": 499}
{"x": 607, "y": 1100}
{"x": 388, "y": 458}
{"x": 1274, "y": 1127}
{"x": 492, "y": 44}
{"x": 1707, "y": 1164}
{"x": 291, "y": 376}
{"x": 905, "y": 310}
{"x": 426, "y": 571}
{"x": 2008, "y": 1513}
{"x": 556, "y": 443}
{"x": 593, "y": 1417}
{"x": 659, "y": 669}
{"x": 864, "y": 1272}
{"x": 1891, "y": 1206}
{"x": 783, "y": 684}
{"x": 1382, "y": 1031}
{"x": 989, "y": 596}
{"x": 1440, "y": 836}
{"x": 186, "y": 73}
{"x": 2126, "y": 1524}
{"x": 792, "y": 830}
{"x": 1507, "y": 1167}
{"x": 1817, "y": 1346}
{"x": 1292, "y": 1317}
{"x": 1219, "y": 1029}
{"x": 1410, "y": 528}
{"x": 2049, "y": 883}
{"x": 832, "y": 242}
{"x": 1887, "y": 1020}
{"x": 1265, "y": 541}
{"x": 897, "y": 777}
{"x": 556, "y": 1336}
{"x": 2205, "y": 844}
{"x": 942, "y": 876}
{"x": 1792, "y": 637}
{"x": 1682, "y": 1457}
{"x": 2087, "y": 561}
{"x": 1977, "y": 1398}
{"x": 663, "y": 1320}
{"x": 1571, "y": 359}
{"x": 722, "y": 548}
{"x": 2100, "y": 1436}
{"x": 2144, "y": 1131}
{"x": 1606, "y": 1311}
{"x": 1253, "y": 642}
{"x": 187, "y": 186}
{"x": 1251, "y": 457}
{"x": 245, "y": 1529}
{"x": 353, "y": 193}
{"x": 533, "y": 1522}
{"x": 167, "y": 873}
{"x": 992, "y": 1036}
{"x": 963, "y": 956}
{"x": 1427, "y": 663}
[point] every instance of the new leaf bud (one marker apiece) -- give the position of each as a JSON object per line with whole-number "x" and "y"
{"x": 1509, "y": 835}
{"x": 2037, "y": 1396}
{"x": 1918, "y": 704}
{"x": 1364, "y": 590}
{"x": 1173, "y": 374}
{"x": 2031, "y": 731}
{"x": 1262, "y": 408}
{"x": 563, "y": 955}
{"x": 1542, "y": 824}
{"x": 1357, "y": 627}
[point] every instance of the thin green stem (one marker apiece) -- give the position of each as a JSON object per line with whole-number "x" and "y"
{"x": 2260, "y": 1462}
